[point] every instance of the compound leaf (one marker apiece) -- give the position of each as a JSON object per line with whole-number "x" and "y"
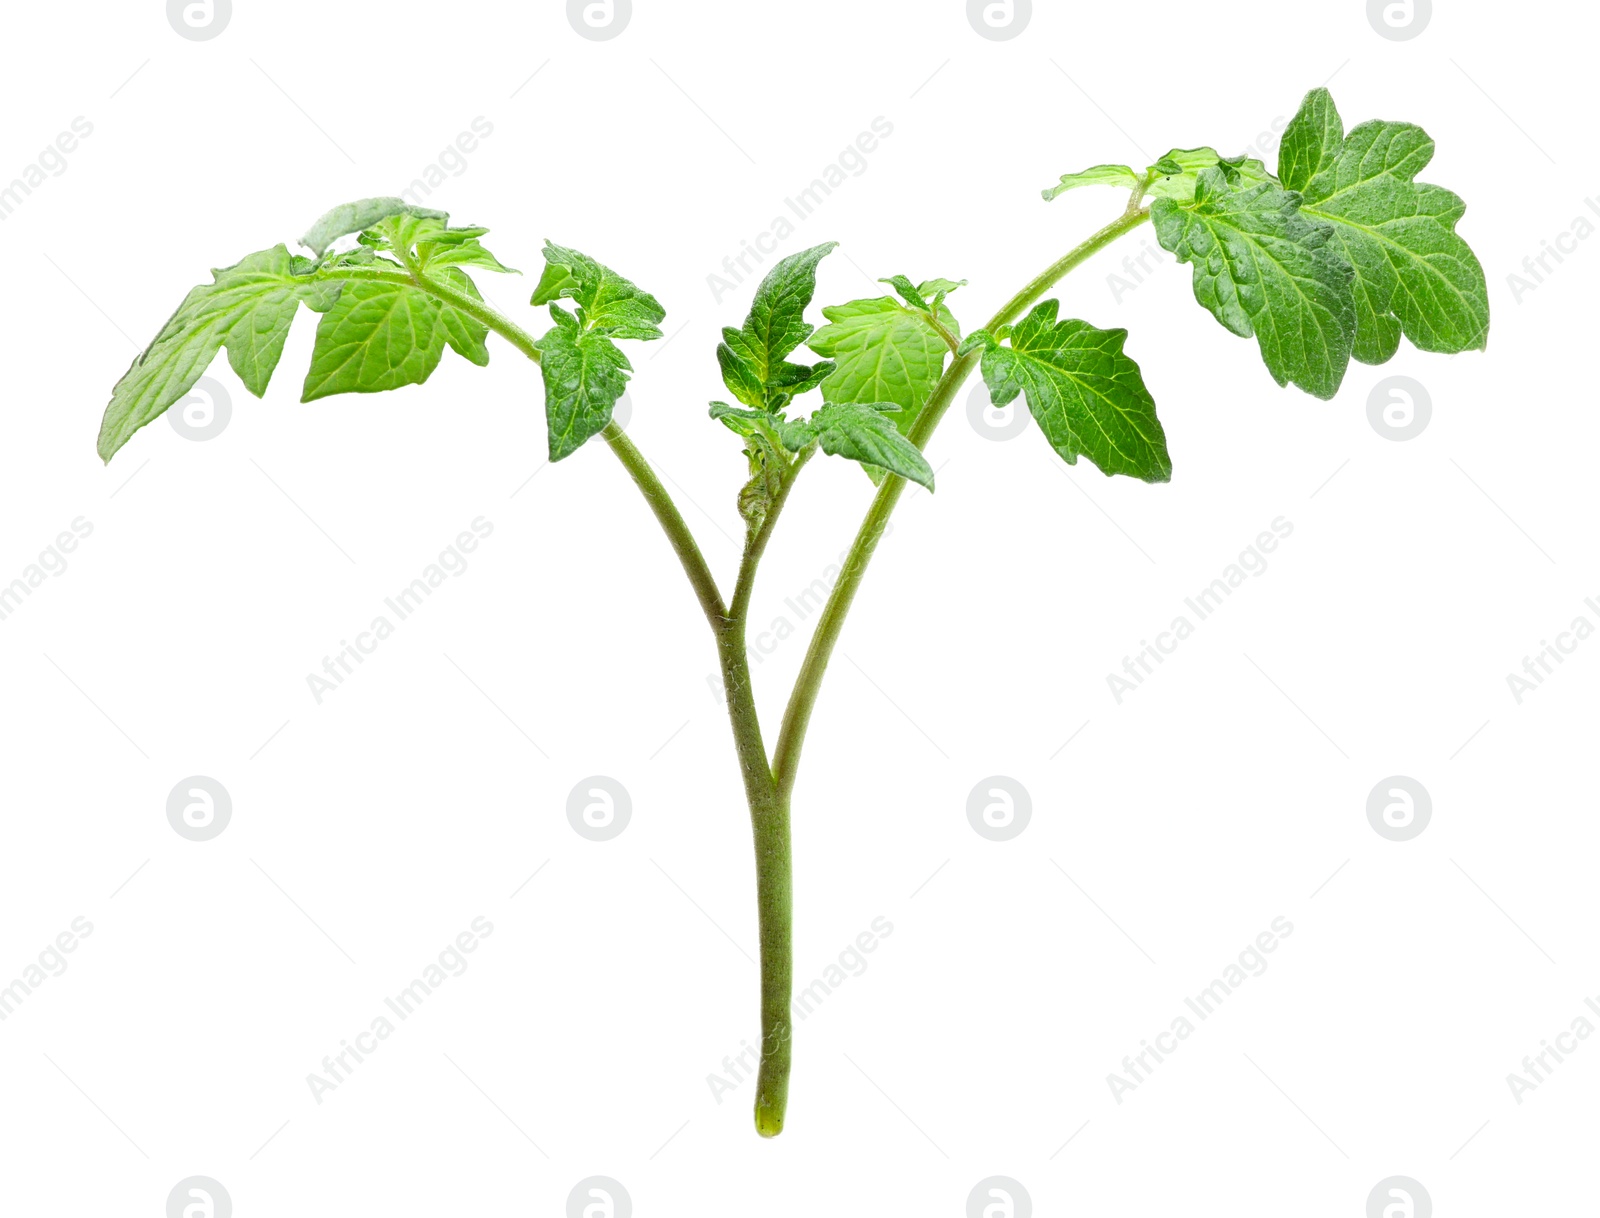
{"x": 1413, "y": 273}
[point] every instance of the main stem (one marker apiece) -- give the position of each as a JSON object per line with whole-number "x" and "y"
{"x": 769, "y": 786}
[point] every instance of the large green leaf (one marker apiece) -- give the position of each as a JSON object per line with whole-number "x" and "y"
{"x": 1264, "y": 269}
{"x": 861, "y": 432}
{"x": 753, "y": 357}
{"x": 1086, "y": 394}
{"x": 248, "y": 308}
{"x": 1414, "y": 274}
{"x": 377, "y": 336}
{"x": 584, "y": 375}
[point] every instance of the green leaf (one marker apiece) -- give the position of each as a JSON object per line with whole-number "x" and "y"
{"x": 767, "y": 468}
{"x": 607, "y": 303}
{"x": 939, "y": 288}
{"x": 1098, "y": 175}
{"x": 861, "y": 432}
{"x": 1264, "y": 269}
{"x": 1177, "y": 174}
{"x": 584, "y": 375}
{"x": 752, "y": 357}
{"x": 738, "y": 369}
{"x": 791, "y": 380}
{"x": 1087, "y": 396}
{"x": 740, "y": 422}
{"x": 978, "y": 339}
{"x": 885, "y": 353}
{"x": 248, "y": 307}
{"x": 378, "y": 336}
{"x": 1413, "y": 273}
{"x": 350, "y": 218}
{"x": 470, "y": 252}
{"x": 910, "y": 294}
{"x": 467, "y": 336}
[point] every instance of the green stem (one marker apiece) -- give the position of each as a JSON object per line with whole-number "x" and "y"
{"x": 769, "y": 785}
{"x": 671, "y": 520}
{"x": 769, "y": 822}
{"x": 797, "y": 715}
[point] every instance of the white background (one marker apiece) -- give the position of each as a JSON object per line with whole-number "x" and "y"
{"x": 369, "y": 830}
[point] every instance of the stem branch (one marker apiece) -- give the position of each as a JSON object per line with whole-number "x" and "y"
{"x": 797, "y": 715}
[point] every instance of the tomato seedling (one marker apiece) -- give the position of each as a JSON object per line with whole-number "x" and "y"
{"x": 1335, "y": 256}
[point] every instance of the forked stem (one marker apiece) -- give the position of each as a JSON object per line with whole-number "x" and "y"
{"x": 769, "y": 785}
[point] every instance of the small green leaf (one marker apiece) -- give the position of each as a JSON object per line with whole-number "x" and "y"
{"x": 1176, "y": 175}
{"x": 940, "y": 287}
{"x": 1087, "y": 396}
{"x": 350, "y": 218}
{"x": 791, "y": 380}
{"x": 378, "y": 336}
{"x": 467, "y": 336}
{"x": 977, "y": 340}
{"x": 752, "y": 357}
{"x": 248, "y": 307}
{"x": 1264, "y": 269}
{"x": 738, "y": 370}
{"x": 739, "y": 421}
{"x": 584, "y": 375}
{"x": 861, "y": 432}
{"x": 910, "y": 294}
{"x": 767, "y": 466}
{"x": 1099, "y": 175}
{"x": 469, "y": 252}
{"x": 607, "y": 303}
{"x": 1413, "y": 273}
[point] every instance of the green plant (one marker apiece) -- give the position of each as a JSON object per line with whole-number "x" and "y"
{"x": 1335, "y": 256}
